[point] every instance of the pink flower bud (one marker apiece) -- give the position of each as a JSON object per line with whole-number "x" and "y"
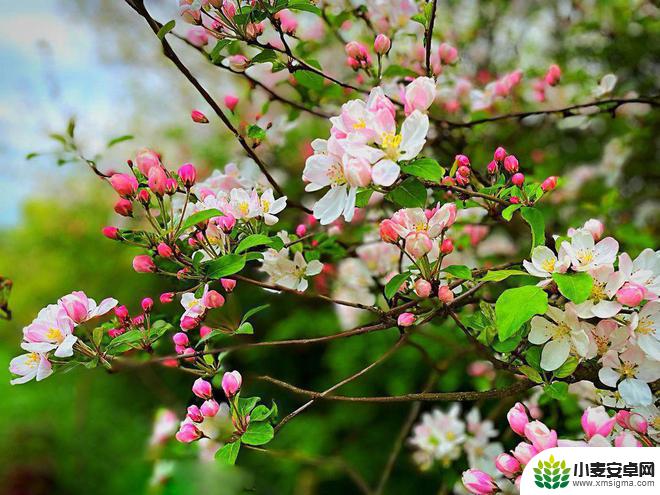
{"x": 230, "y": 102}
{"x": 382, "y": 44}
{"x": 124, "y": 207}
{"x": 171, "y": 185}
{"x": 464, "y": 171}
{"x": 405, "y": 319}
{"x": 447, "y": 246}
{"x": 213, "y": 299}
{"x": 228, "y": 284}
{"x": 164, "y": 250}
{"x": 188, "y": 174}
{"x": 226, "y": 223}
{"x": 239, "y": 62}
{"x": 204, "y": 331}
{"x": 524, "y": 452}
{"x": 518, "y": 179}
{"x": 301, "y": 230}
{"x": 418, "y": 244}
{"x": 143, "y": 196}
{"x": 198, "y": 117}
{"x": 540, "y": 435}
{"x": 388, "y": 231}
{"x": 166, "y": 297}
{"x": 113, "y": 333}
{"x": 492, "y": 167}
{"x": 500, "y": 154}
{"x": 353, "y": 49}
{"x": 253, "y": 30}
{"x": 121, "y": 312}
{"x": 462, "y": 161}
{"x": 479, "y": 482}
{"x": 147, "y": 303}
{"x": 511, "y": 164}
{"x": 188, "y": 323}
{"x": 146, "y": 159}
{"x": 596, "y": 421}
{"x": 209, "y": 408}
{"x": 231, "y": 383}
{"x": 137, "y": 321}
{"x": 595, "y": 227}
{"x": 508, "y": 465}
{"x": 195, "y": 414}
{"x": 626, "y": 439}
{"x": 637, "y": 422}
{"x": 448, "y": 181}
{"x": 157, "y": 181}
{"x": 514, "y": 200}
{"x": 125, "y": 185}
{"x": 180, "y": 349}
{"x": 553, "y": 75}
{"x": 423, "y": 287}
{"x": 202, "y": 389}
{"x": 518, "y": 419}
{"x": 550, "y": 183}
{"x": 143, "y": 263}
{"x": 188, "y": 433}
{"x": 352, "y": 63}
{"x": 462, "y": 180}
{"x": 631, "y": 294}
{"x": 180, "y": 338}
{"x": 111, "y": 232}
{"x": 445, "y": 295}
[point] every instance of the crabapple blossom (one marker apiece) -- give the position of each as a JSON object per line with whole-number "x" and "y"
{"x": 81, "y": 308}
{"x": 198, "y": 117}
{"x": 291, "y": 274}
{"x": 231, "y": 101}
{"x": 231, "y": 383}
{"x": 202, "y": 389}
{"x": 596, "y": 421}
{"x": 478, "y": 482}
{"x": 146, "y": 159}
{"x": 517, "y": 418}
{"x": 228, "y": 284}
{"x": 562, "y": 334}
{"x": 405, "y": 319}
{"x": 544, "y": 263}
{"x": 585, "y": 254}
{"x": 33, "y": 365}
{"x": 143, "y": 263}
{"x": 630, "y": 372}
{"x": 125, "y": 185}
{"x": 382, "y": 44}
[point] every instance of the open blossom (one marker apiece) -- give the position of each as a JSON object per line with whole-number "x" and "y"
{"x": 51, "y": 330}
{"x": 644, "y": 271}
{"x": 194, "y": 306}
{"x": 419, "y": 95}
{"x": 562, "y": 333}
{"x": 438, "y": 436}
{"x": 645, "y": 326}
{"x": 81, "y": 308}
{"x": 585, "y": 254}
{"x": 364, "y": 148}
{"x": 606, "y": 283}
{"x": 33, "y": 365}
{"x": 432, "y": 222}
{"x": 248, "y": 204}
{"x": 544, "y": 263}
{"x": 630, "y": 372}
{"x": 288, "y": 273}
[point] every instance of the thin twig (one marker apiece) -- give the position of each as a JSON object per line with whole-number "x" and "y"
{"x": 429, "y": 38}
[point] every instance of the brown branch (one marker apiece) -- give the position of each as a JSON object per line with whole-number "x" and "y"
{"x": 611, "y": 105}
{"x": 402, "y": 339}
{"x": 466, "y": 396}
{"x": 428, "y": 41}
{"x": 138, "y": 6}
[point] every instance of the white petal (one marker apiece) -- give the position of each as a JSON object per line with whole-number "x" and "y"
{"x": 541, "y": 330}
{"x": 413, "y": 134}
{"x": 330, "y": 206}
{"x": 65, "y": 349}
{"x": 650, "y": 345}
{"x": 555, "y": 353}
{"x": 635, "y": 392}
{"x": 385, "y": 172}
{"x": 606, "y": 309}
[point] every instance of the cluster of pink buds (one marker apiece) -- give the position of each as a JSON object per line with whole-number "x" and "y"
{"x": 463, "y": 170}
{"x": 358, "y": 55}
{"x": 125, "y": 322}
{"x": 503, "y": 86}
{"x": 551, "y": 78}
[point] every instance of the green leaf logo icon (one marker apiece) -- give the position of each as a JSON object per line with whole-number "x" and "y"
{"x": 551, "y": 474}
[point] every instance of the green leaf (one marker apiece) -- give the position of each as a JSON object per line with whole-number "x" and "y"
{"x": 260, "y": 413}
{"x": 395, "y": 282}
{"x": 200, "y": 216}
{"x": 304, "y": 6}
{"x": 362, "y": 197}
{"x": 245, "y": 405}
{"x": 309, "y": 79}
{"x": 166, "y": 28}
{"x": 264, "y": 56}
{"x": 516, "y": 306}
{"x": 245, "y": 329}
{"x": 158, "y": 329}
{"x": 459, "y": 271}
{"x": 228, "y": 453}
{"x": 119, "y": 139}
{"x": 557, "y": 390}
{"x": 398, "y": 71}
{"x": 411, "y": 193}
{"x": 253, "y": 311}
{"x": 253, "y": 241}
{"x": 424, "y": 168}
{"x": 216, "y": 53}
{"x": 128, "y": 338}
{"x": 499, "y": 275}
{"x": 507, "y": 213}
{"x": 567, "y": 368}
{"x": 531, "y": 373}
{"x": 537, "y": 223}
{"x": 256, "y": 132}
{"x": 227, "y": 265}
{"x": 574, "y": 286}
{"x": 258, "y": 433}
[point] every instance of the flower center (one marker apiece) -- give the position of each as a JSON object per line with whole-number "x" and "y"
{"x": 265, "y": 205}
{"x": 243, "y": 208}
{"x": 598, "y": 292}
{"x": 336, "y": 175}
{"x": 602, "y": 344}
{"x": 32, "y": 360}
{"x": 644, "y": 326}
{"x": 360, "y": 124}
{"x": 390, "y": 144}
{"x": 627, "y": 369}
{"x": 562, "y": 331}
{"x": 585, "y": 256}
{"x": 548, "y": 265}
{"x": 54, "y": 334}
